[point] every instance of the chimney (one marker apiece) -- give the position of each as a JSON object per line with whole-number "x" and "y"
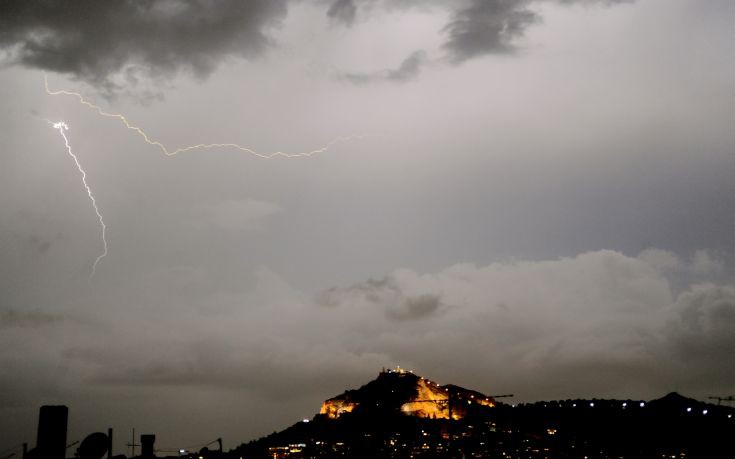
{"x": 51, "y": 439}
{"x": 146, "y": 445}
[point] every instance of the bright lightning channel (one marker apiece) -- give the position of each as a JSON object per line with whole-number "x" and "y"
{"x": 202, "y": 146}
{"x": 62, "y": 127}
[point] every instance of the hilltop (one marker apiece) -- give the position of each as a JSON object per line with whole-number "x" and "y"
{"x": 400, "y": 390}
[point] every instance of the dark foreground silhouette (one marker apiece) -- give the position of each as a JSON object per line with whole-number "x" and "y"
{"x": 401, "y": 415}
{"x": 378, "y": 427}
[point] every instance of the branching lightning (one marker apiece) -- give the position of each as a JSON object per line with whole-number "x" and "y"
{"x": 62, "y": 127}
{"x": 200, "y": 146}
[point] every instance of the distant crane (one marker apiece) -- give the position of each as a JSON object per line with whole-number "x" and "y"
{"x": 722, "y": 399}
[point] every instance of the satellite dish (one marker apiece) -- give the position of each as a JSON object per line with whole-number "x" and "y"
{"x": 94, "y": 446}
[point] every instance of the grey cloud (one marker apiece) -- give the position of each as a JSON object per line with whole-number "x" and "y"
{"x": 27, "y": 319}
{"x": 476, "y": 28}
{"x": 93, "y": 40}
{"x": 593, "y": 2}
{"x": 707, "y": 316}
{"x": 599, "y": 313}
{"x": 343, "y": 11}
{"x": 398, "y": 304}
{"x": 409, "y": 69}
{"x": 487, "y": 27}
{"x": 222, "y": 365}
{"x": 701, "y": 337}
{"x": 416, "y": 307}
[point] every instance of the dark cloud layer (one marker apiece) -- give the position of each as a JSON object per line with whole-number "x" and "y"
{"x": 92, "y": 40}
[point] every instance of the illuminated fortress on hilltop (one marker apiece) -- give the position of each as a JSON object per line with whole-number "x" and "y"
{"x": 413, "y": 395}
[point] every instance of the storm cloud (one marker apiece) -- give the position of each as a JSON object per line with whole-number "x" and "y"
{"x": 111, "y": 45}
{"x": 94, "y": 40}
{"x": 487, "y": 26}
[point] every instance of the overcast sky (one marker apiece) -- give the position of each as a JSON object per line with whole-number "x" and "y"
{"x": 543, "y": 204}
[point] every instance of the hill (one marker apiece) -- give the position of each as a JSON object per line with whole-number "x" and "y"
{"x": 403, "y": 415}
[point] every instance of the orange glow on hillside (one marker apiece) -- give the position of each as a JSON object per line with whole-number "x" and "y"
{"x": 430, "y": 401}
{"x": 334, "y": 408}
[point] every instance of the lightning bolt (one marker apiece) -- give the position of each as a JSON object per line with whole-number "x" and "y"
{"x": 62, "y": 127}
{"x": 201, "y": 146}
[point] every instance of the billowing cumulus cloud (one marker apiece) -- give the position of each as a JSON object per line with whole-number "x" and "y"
{"x": 567, "y": 319}
{"x": 94, "y": 40}
{"x": 545, "y": 323}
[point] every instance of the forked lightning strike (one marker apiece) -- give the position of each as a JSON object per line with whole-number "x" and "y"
{"x": 62, "y": 127}
{"x": 201, "y": 146}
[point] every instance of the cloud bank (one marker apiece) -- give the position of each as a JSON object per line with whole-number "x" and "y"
{"x": 598, "y": 324}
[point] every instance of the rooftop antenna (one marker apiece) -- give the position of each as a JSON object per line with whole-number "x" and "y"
{"x": 132, "y": 444}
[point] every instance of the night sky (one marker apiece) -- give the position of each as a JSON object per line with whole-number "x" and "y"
{"x": 540, "y": 201}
